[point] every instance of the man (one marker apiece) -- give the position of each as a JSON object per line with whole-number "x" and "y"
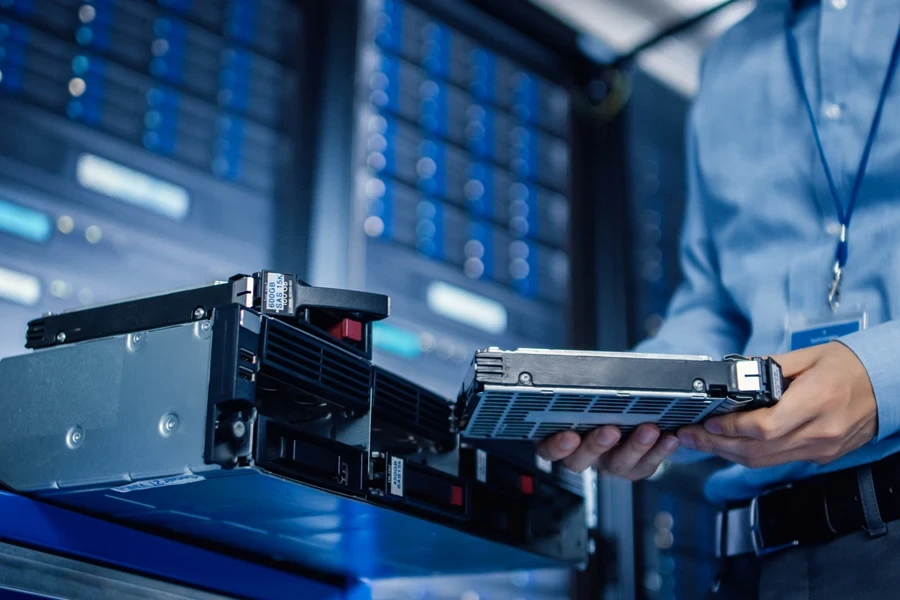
{"x": 785, "y": 146}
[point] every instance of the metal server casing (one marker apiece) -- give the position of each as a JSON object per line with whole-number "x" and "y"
{"x": 156, "y": 430}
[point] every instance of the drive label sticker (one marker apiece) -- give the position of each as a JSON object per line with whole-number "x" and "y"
{"x": 276, "y": 292}
{"x": 157, "y": 483}
{"x": 395, "y": 474}
{"x": 481, "y": 466}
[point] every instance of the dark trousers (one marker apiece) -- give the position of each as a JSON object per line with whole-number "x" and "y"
{"x": 854, "y": 566}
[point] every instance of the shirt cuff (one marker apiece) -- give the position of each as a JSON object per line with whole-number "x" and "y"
{"x": 878, "y": 349}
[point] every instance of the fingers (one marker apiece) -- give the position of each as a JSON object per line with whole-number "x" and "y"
{"x": 559, "y": 446}
{"x": 697, "y": 438}
{"x": 768, "y": 424}
{"x": 794, "y": 363}
{"x": 762, "y": 424}
{"x": 648, "y": 465}
{"x": 800, "y": 444}
{"x": 622, "y": 460}
{"x": 593, "y": 446}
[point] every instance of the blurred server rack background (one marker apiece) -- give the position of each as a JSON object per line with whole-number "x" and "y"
{"x": 673, "y": 522}
{"x": 463, "y": 193}
{"x": 146, "y": 146}
{"x": 462, "y": 173}
{"x": 462, "y": 199}
{"x": 656, "y": 120}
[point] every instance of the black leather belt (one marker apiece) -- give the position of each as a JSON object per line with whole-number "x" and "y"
{"x": 813, "y": 511}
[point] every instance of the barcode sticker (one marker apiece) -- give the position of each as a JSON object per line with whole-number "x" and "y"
{"x": 276, "y": 293}
{"x": 395, "y": 474}
{"x": 481, "y": 466}
{"x": 776, "y": 382}
{"x": 157, "y": 483}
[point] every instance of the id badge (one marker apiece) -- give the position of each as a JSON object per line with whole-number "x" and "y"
{"x": 812, "y": 330}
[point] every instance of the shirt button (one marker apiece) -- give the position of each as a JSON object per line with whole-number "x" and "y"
{"x": 839, "y": 4}
{"x": 833, "y": 111}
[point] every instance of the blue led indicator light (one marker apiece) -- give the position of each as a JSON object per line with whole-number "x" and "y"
{"x": 84, "y": 36}
{"x": 25, "y": 223}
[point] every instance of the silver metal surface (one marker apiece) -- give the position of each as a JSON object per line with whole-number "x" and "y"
{"x": 96, "y": 410}
{"x": 591, "y": 516}
{"x": 75, "y": 437}
{"x": 58, "y": 577}
{"x": 142, "y": 297}
{"x": 199, "y": 312}
{"x": 593, "y": 392}
{"x": 525, "y": 378}
{"x": 135, "y": 341}
{"x": 242, "y": 291}
{"x": 168, "y": 424}
{"x": 616, "y": 505}
{"x": 603, "y": 354}
{"x": 699, "y": 386}
{"x": 748, "y": 376}
{"x": 61, "y": 337}
{"x": 251, "y": 321}
{"x": 203, "y": 330}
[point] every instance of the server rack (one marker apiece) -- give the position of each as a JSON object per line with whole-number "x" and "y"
{"x": 656, "y": 120}
{"x": 461, "y": 198}
{"x": 412, "y": 148}
{"x": 148, "y": 145}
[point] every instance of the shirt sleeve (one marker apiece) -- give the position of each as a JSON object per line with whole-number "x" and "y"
{"x": 878, "y": 349}
{"x": 701, "y": 317}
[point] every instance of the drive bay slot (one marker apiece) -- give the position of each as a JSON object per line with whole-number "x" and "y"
{"x": 297, "y": 455}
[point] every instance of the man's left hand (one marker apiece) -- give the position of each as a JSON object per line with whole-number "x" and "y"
{"x": 827, "y": 411}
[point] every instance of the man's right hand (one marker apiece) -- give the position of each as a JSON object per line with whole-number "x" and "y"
{"x": 638, "y": 457}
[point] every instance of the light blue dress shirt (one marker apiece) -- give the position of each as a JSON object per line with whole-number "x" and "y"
{"x": 761, "y": 227}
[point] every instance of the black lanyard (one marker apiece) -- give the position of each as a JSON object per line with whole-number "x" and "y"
{"x": 834, "y": 290}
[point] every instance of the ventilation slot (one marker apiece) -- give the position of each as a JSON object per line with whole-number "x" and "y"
{"x": 35, "y": 333}
{"x": 412, "y": 408}
{"x": 503, "y": 414}
{"x": 649, "y": 407}
{"x": 299, "y": 360}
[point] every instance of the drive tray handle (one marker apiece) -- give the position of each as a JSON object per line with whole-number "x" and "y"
{"x": 282, "y": 294}
{"x": 365, "y": 306}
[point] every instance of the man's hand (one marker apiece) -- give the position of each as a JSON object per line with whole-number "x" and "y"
{"x": 828, "y": 410}
{"x": 636, "y": 458}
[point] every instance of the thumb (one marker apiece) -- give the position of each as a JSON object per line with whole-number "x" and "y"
{"x": 794, "y": 363}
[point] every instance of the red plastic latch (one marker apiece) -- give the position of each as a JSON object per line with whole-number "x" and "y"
{"x": 348, "y": 330}
{"x": 527, "y": 484}
{"x": 456, "y": 495}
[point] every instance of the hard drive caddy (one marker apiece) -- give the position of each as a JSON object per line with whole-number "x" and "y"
{"x": 532, "y": 394}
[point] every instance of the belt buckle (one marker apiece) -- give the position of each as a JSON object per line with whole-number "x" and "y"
{"x": 756, "y": 538}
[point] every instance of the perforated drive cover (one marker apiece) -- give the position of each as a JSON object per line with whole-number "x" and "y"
{"x": 531, "y": 394}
